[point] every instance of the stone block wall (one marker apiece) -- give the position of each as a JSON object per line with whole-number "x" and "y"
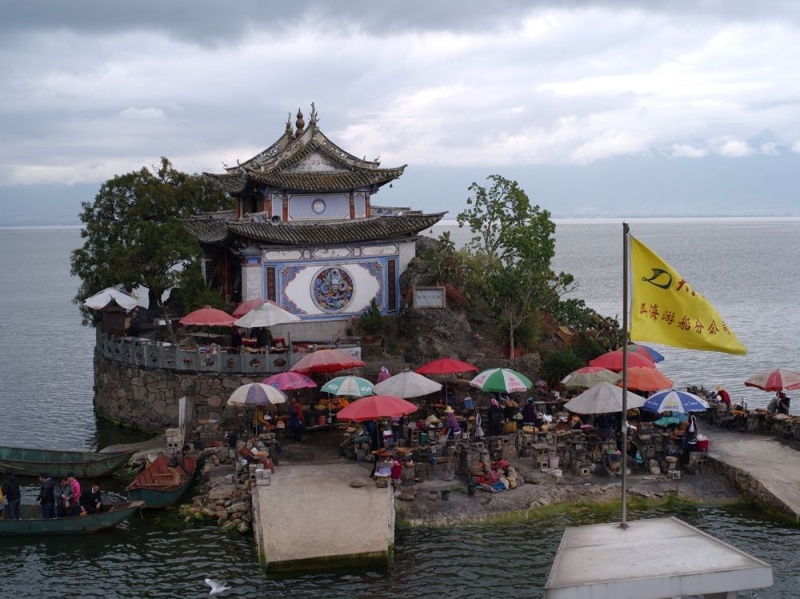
{"x": 147, "y": 398}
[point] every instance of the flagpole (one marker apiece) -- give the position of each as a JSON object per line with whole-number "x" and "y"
{"x": 624, "y": 521}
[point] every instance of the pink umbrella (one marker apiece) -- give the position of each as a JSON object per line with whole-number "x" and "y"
{"x": 326, "y": 361}
{"x": 208, "y": 317}
{"x": 613, "y": 361}
{"x": 376, "y": 406}
{"x": 289, "y": 381}
{"x": 245, "y": 307}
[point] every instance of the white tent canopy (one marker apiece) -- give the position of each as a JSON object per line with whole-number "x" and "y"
{"x": 124, "y": 299}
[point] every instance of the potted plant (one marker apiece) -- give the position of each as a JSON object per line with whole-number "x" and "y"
{"x": 371, "y": 321}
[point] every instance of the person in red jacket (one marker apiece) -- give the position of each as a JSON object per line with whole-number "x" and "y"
{"x": 723, "y": 396}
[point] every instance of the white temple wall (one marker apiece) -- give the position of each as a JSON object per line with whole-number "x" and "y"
{"x": 407, "y": 251}
{"x": 365, "y": 283}
{"x": 252, "y": 279}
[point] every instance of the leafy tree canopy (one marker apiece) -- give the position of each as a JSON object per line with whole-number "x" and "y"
{"x": 134, "y": 235}
{"x": 510, "y": 255}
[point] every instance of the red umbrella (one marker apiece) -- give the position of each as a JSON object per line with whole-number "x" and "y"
{"x": 325, "y": 361}
{"x": 646, "y": 379}
{"x": 775, "y": 380}
{"x": 208, "y": 317}
{"x": 376, "y": 406}
{"x": 245, "y": 307}
{"x": 289, "y": 381}
{"x": 446, "y": 366}
{"x": 613, "y": 361}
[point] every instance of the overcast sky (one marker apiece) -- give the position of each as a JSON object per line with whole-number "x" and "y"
{"x": 614, "y": 107}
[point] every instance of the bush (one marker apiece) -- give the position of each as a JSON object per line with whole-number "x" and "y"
{"x": 559, "y": 363}
{"x": 371, "y": 320}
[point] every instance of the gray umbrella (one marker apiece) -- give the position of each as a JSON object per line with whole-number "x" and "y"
{"x": 603, "y": 398}
{"x": 407, "y": 384}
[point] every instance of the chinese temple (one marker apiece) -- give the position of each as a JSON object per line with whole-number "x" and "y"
{"x": 306, "y": 233}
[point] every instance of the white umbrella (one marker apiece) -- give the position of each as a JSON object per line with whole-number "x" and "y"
{"x": 407, "y": 384}
{"x": 101, "y": 299}
{"x": 603, "y": 398}
{"x": 256, "y": 394}
{"x": 267, "y": 314}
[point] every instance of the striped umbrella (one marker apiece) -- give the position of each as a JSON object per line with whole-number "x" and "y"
{"x": 589, "y": 376}
{"x": 256, "y": 394}
{"x": 673, "y": 400}
{"x": 352, "y": 386}
{"x": 501, "y": 380}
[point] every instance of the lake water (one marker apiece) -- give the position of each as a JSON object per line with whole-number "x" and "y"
{"x": 744, "y": 267}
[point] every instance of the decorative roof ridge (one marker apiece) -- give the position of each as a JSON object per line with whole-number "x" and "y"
{"x": 225, "y": 215}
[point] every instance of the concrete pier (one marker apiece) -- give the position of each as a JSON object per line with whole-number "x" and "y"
{"x": 762, "y": 468}
{"x": 310, "y": 517}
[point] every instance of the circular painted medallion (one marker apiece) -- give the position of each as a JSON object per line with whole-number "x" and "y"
{"x": 318, "y": 206}
{"x": 332, "y": 289}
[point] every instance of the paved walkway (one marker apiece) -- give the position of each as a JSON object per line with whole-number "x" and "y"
{"x": 775, "y": 465}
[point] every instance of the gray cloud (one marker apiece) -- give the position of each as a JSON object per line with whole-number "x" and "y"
{"x": 91, "y": 89}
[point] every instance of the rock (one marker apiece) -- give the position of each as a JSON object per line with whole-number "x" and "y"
{"x": 239, "y": 507}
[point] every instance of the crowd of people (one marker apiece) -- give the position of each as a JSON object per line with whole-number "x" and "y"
{"x": 59, "y": 497}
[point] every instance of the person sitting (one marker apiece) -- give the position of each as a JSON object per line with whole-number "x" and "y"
{"x": 92, "y": 500}
{"x": 724, "y": 396}
{"x": 176, "y": 465}
{"x": 783, "y": 403}
{"x": 257, "y": 449}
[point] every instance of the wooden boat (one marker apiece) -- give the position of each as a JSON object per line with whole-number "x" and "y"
{"x": 156, "y": 486}
{"x": 32, "y": 522}
{"x": 54, "y": 462}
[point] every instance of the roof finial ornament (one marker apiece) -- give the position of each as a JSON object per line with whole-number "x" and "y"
{"x": 299, "y": 123}
{"x": 289, "y": 124}
{"x": 313, "y": 116}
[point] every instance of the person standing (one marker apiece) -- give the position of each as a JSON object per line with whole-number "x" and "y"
{"x": 724, "y": 396}
{"x": 689, "y": 438}
{"x": 46, "y": 497}
{"x": 451, "y": 423}
{"x": 296, "y": 420}
{"x": 75, "y": 500}
{"x": 529, "y": 413}
{"x": 62, "y": 496}
{"x": 494, "y": 418}
{"x": 13, "y": 494}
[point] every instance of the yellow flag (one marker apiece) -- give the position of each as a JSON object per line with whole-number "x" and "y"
{"x": 665, "y": 308}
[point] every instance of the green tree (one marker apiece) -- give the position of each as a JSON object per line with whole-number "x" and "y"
{"x": 510, "y": 253}
{"x": 134, "y": 234}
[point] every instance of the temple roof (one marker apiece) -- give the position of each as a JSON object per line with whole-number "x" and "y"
{"x": 305, "y": 160}
{"x": 219, "y": 230}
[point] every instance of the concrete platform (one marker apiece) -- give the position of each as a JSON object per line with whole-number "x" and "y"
{"x": 309, "y": 517}
{"x": 767, "y": 461}
{"x": 651, "y": 559}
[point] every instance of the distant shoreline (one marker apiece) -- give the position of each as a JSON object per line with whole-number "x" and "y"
{"x": 577, "y": 220}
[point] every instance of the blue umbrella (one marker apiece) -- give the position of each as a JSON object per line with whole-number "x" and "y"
{"x": 639, "y": 348}
{"x": 673, "y": 400}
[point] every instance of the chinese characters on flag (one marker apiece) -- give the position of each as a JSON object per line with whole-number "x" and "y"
{"x": 665, "y": 309}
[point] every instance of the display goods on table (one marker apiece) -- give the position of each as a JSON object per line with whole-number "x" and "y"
{"x": 156, "y": 486}
{"x": 26, "y": 461}
{"x": 32, "y": 522}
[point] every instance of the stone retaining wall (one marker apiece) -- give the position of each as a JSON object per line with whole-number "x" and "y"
{"x": 750, "y": 487}
{"x": 147, "y": 398}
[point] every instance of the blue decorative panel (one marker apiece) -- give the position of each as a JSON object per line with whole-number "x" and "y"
{"x": 332, "y": 289}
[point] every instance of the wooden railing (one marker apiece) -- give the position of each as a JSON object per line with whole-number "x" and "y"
{"x": 148, "y": 353}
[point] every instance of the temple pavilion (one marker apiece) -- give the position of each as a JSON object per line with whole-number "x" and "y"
{"x": 306, "y": 233}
